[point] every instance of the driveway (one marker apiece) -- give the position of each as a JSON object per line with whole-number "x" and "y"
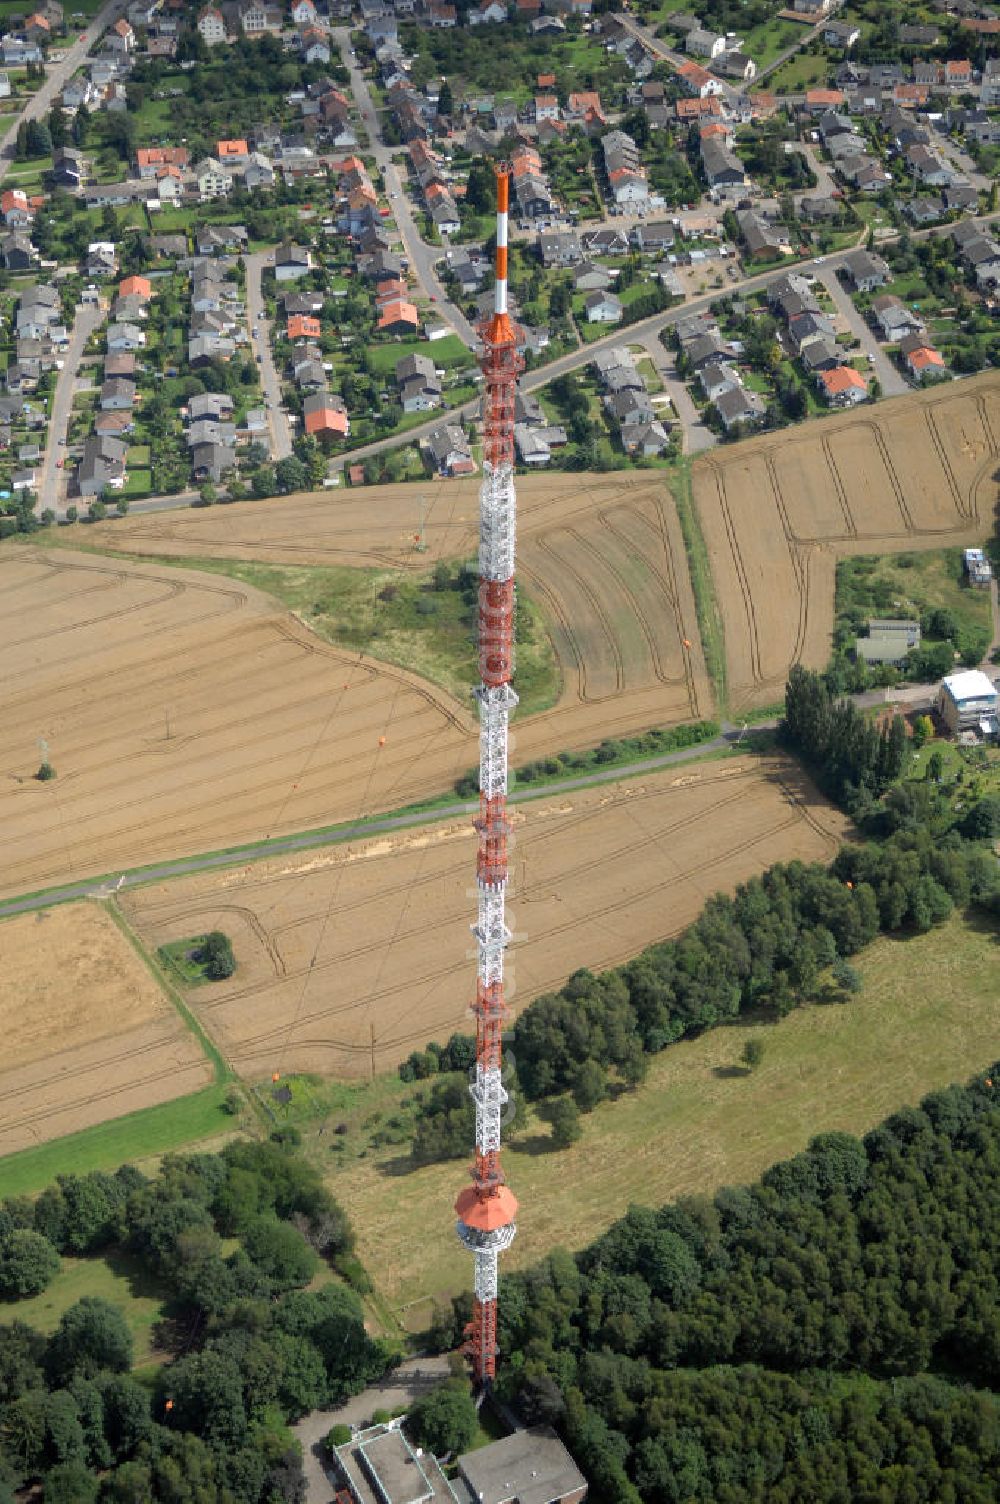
{"x": 56, "y": 78}
{"x": 406, "y": 1384}
{"x": 52, "y": 480}
{"x": 890, "y": 380}
{"x": 696, "y": 435}
{"x": 277, "y": 418}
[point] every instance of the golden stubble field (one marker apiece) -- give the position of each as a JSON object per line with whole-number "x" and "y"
{"x": 603, "y": 554}
{"x": 87, "y": 1032}
{"x": 778, "y": 511}
{"x": 186, "y": 712}
{"x": 349, "y": 959}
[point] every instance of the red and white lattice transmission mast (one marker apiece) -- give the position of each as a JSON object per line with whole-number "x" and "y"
{"x": 487, "y": 1209}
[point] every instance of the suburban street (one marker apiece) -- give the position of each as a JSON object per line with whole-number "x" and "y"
{"x": 50, "y": 489}
{"x": 421, "y": 256}
{"x": 260, "y": 342}
{"x": 891, "y": 381}
{"x": 401, "y": 1387}
{"x": 56, "y": 77}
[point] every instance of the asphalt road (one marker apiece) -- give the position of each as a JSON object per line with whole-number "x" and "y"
{"x": 890, "y": 380}
{"x": 307, "y": 840}
{"x": 421, "y": 256}
{"x": 50, "y": 491}
{"x": 260, "y": 343}
{"x": 56, "y": 77}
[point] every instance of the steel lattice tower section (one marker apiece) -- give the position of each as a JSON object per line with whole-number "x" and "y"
{"x": 487, "y": 1209}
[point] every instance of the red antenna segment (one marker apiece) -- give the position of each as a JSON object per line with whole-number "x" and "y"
{"x": 487, "y": 1209}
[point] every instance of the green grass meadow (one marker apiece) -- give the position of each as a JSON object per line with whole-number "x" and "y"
{"x": 136, "y": 1137}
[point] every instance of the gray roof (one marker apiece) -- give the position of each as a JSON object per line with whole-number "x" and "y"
{"x": 531, "y": 1466}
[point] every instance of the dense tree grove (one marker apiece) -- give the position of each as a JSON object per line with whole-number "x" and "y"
{"x": 845, "y": 751}
{"x": 810, "y": 1338}
{"x": 253, "y": 1348}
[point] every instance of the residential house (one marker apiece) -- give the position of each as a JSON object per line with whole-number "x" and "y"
{"x": 101, "y": 466}
{"x": 419, "y": 384}
{"x": 865, "y": 271}
{"x": 558, "y": 247}
{"x": 716, "y": 378}
{"x": 923, "y": 361}
{"x": 841, "y": 35}
{"x": 210, "y": 178}
{"x": 398, "y": 316}
{"x": 893, "y": 318}
{"x": 117, "y": 395}
{"x": 590, "y": 276}
{"x": 149, "y": 159}
{"x": 700, "y": 42}
{"x": 603, "y": 308}
{"x": 67, "y": 167}
{"x": 121, "y": 37}
{"x": 125, "y": 337}
{"x": 211, "y": 26}
{"x": 724, "y": 172}
{"x": 15, "y": 209}
{"x": 136, "y": 287}
{"x": 16, "y": 252}
{"x": 843, "y": 386}
{"x": 291, "y": 261}
{"x": 737, "y": 406}
{"x": 325, "y": 417}
{"x": 449, "y": 451}
{"x": 806, "y": 327}
{"x": 303, "y": 326}
{"x": 765, "y": 240}
{"x": 212, "y": 462}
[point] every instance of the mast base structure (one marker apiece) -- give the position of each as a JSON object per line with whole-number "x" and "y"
{"x": 487, "y": 1210}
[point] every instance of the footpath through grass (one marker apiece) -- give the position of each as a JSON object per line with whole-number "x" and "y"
{"x": 927, "y": 1015}
{"x": 706, "y": 607}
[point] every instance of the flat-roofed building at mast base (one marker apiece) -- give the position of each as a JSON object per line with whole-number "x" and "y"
{"x": 380, "y": 1466}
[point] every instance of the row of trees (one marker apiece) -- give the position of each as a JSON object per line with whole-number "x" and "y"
{"x": 766, "y": 946}
{"x": 254, "y": 1347}
{"x": 770, "y": 945}
{"x": 836, "y": 1284}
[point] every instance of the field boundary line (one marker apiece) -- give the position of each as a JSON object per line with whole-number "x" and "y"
{"x": 710, "y": 623}
{"x": 222, "y": 1071}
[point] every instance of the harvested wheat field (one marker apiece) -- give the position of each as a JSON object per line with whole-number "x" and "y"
{"x": 88, "y": 1034}
{"x": 777, "y": 512}
{"x": 270, "y": 729}
{"x": 348, "y": 960}
{"x": 602, "y": 554}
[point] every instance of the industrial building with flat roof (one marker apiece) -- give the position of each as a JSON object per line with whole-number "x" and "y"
{"x": 969, "y": 702}
{"x": 379, "y": 1466}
